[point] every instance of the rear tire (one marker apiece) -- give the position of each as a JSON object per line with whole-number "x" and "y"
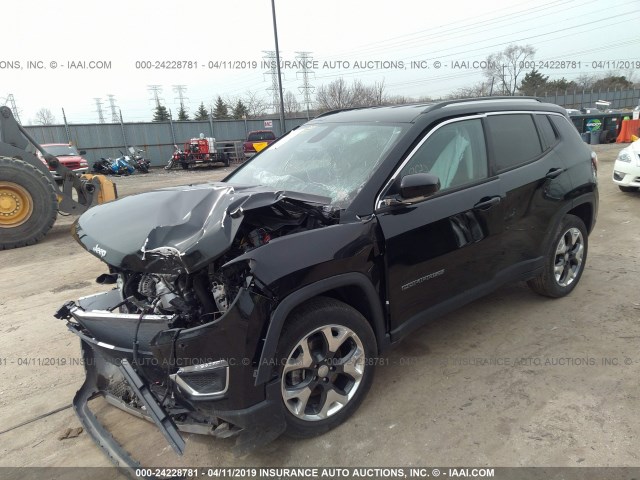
{"x": 28, "y": 203}
{"x": 324, "y": 357}
{"x": 565, "y": 259}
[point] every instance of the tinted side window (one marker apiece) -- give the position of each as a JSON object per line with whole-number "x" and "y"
{"x": 515, "y": 140}
{"x": 564, "y": 128}
{"x": 456, "y": 153}
{"x": 549, "y": 137}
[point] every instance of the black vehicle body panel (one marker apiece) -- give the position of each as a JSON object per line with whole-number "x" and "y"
{"x": 437, "y": 248}
{"x": 173, "y": 230}
{"x": 398, "y": 265}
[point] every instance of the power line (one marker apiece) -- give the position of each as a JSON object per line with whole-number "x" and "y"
{"x": 271, "y": 60}
{"x": 180, "y": 90}
{"x": 155, "y": 90}
{"x": 12, "y": 104}
{"x": 459, "y": 27}
{"x": 99, "y": 110}
{"x": 112, "y": 105}
{"x": 306, "y": 89}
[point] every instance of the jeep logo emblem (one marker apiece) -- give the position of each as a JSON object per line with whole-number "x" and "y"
{"x": 100, "y": 251}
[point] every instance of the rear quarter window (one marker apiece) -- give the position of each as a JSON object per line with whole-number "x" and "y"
{"x": 514, "y": 139}
{"x": 566, "y": 130}
{"x": 549, "y": 137}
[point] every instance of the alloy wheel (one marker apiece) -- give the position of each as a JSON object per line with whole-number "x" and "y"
{"x": 569, "y": 257}
{"x": 323, "y": 372}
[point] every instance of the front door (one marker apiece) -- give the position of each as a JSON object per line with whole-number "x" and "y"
{"x": 441, "y": 251}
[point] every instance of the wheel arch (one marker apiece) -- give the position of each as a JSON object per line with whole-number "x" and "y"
{"x": 584, "y": 212}
{"x": 353, "y": 288}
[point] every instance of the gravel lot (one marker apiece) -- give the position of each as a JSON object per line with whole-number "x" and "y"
{"x": 513, "y": 379}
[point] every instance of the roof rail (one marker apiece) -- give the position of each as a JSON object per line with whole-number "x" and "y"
{"x": 482, "y": 99}
{"x": 337, "y": 110}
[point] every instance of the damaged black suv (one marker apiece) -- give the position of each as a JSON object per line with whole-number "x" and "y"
{"x": 257, "y": 305}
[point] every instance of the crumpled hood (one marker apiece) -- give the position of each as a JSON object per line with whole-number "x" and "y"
{"x": 173, "y": 230}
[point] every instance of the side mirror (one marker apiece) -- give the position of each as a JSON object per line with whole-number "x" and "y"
{"x": 83, "y": 152}
{"x": 418, "y": 186}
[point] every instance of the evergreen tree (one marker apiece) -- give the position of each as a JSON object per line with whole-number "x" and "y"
{"x": 182, "y": 113}
{"x": 561, "y": 85}
{"x": 220, "y": 110}
{"x": 161, "y": 114}
{"x": 533, "y": 82}
{"x": 202, "y": 113}
{"x": 240, "y": 110}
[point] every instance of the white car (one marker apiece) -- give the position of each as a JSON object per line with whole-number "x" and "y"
{"x": 626, "y": 170}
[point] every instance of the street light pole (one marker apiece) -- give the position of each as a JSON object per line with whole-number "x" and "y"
{"x": 275, "y": 36}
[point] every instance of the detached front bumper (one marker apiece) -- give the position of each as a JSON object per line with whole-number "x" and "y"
{"x": 166, "y": 380}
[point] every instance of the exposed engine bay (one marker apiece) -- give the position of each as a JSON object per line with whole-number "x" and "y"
{"x": 203, "y": 296}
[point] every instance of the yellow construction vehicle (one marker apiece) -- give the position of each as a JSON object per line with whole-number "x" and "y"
{"x": 30, "y": 198}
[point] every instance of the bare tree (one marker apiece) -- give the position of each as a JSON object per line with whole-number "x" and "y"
{"x": 585, "y": 81}
{"x": 398, "y": 100}
{"x": 256, "y": 105}
{"x": 45, "y": 117}
{"x": 481, "y": 89}
{"x": 338, "y": 94}
{"x": 291, "y": 105}
{"x": 504, "y": 68}
{"x": 335, "y": 95}
{"x": 377, "y": 93}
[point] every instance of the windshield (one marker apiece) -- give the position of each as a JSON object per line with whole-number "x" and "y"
{"x": 61, "y": 150}
{"x": 332, "y": 160}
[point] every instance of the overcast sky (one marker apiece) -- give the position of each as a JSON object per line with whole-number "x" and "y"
{"x": 394, "y": 33}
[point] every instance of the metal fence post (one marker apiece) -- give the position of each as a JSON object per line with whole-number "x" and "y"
{"x": 173, "y": 133}
{"x": 66, "y": 127}
{"x": 124, "y": 135}
{"x": 211, "y": 125}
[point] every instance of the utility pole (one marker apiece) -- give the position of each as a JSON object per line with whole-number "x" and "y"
{"x": 12, "y": 104}
{"x": 155, "y": 90}
{"x": 99, "y": 110}
{"x": 275, "y": 36}
{"x": 270, "y": 57}
{"x": 113, "y": 106}
{"x": 180, "y": 90}
{"x": 66, "y": 126}
{"x": 306, "y": 89}
{"x": 124, "y": 135}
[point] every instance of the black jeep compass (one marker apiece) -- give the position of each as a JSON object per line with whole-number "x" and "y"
{"x": 257, "y": 305}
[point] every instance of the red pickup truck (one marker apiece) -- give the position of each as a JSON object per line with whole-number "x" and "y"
{"x": 257, "y": 141}
{"x": 68, "y": 156}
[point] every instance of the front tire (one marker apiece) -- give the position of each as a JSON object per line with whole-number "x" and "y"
{"x": 565, "y": 259}
{"x": 325, "y": 369}
{"x": 28, "y": 203}
{"x": 627, "y": 189}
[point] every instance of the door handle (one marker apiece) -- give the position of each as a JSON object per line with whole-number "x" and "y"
{"x": 487, "y": 203}
{"x": 555, "y": 172}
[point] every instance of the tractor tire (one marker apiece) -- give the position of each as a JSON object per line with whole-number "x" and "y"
{"x": 28, "y": 203}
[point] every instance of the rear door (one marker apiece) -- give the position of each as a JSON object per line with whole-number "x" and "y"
{"x": 443, "y": 249}
{"x": 533, "y": 182}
